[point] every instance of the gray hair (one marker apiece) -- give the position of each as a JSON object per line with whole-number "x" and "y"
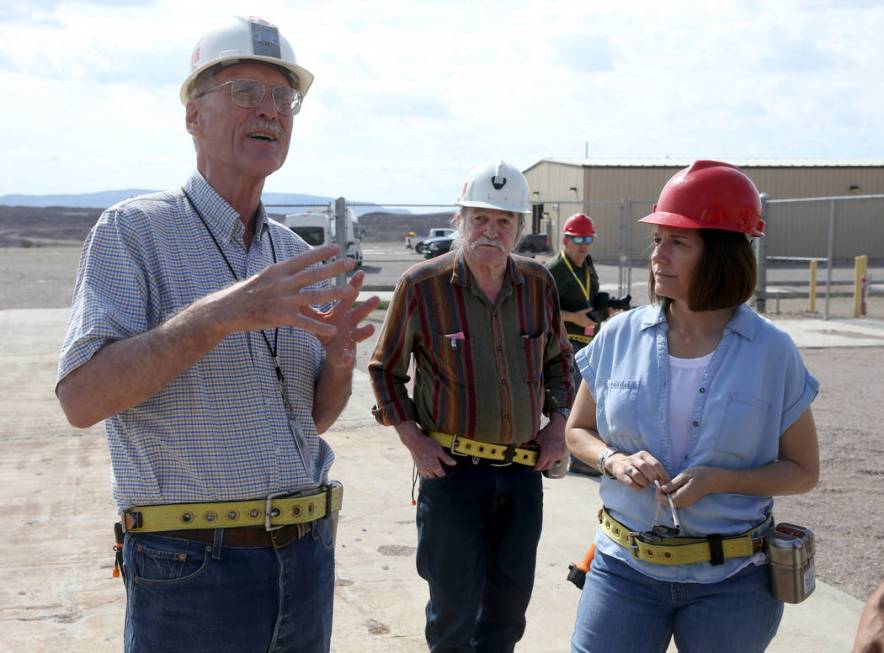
{"x": 459, "y": 224}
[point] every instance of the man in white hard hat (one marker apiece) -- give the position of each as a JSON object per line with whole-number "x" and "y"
{"x": 491, "y": 356}
{"x": 208, "y": 338}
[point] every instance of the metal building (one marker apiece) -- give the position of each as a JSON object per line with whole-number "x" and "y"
{"x": 617, "y": 192}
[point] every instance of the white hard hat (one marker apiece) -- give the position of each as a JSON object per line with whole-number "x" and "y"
{"x": 244, "y": 39}
{"x": 496, "y": 186}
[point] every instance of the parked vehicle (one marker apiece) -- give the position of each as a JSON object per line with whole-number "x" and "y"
{"x": 413, "y": 241}
{"x": 433, "y": 247}
{"x": 533, "y": 244}
{"x": 317, "y": 227}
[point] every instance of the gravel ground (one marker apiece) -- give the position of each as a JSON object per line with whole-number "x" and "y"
{"x": 846, "y": 510}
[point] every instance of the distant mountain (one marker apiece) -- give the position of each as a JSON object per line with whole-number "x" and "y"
{"x": 277, "y": 202}
{"x": 100, "y": 200}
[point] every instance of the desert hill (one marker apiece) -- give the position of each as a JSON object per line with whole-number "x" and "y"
{"x": 26, "y": 226}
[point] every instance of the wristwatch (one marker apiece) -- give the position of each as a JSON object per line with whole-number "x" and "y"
{"x": 564, "y": 412}
{"x": 602, "y": 459}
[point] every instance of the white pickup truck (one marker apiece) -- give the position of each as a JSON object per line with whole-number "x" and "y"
{"x": 416, "y": 242}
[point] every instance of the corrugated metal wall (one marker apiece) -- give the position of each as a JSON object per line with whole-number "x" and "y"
{"x": 794, "y": 229}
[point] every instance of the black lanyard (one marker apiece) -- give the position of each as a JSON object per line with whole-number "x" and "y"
{"x": 272, "y": 349}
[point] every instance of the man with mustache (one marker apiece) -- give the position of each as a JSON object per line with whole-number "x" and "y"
{"x": 491, "y": 357}
{"x": 195, "y": 335}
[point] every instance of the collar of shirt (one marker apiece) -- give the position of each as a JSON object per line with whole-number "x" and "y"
{"x": 742, "y": 322}
{"x": 225, "y": 223}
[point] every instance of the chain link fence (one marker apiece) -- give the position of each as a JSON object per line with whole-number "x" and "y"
{"x": 828, "y": 230}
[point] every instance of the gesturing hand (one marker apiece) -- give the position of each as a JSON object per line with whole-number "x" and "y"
{"x": 340, "y": 348}
{"x": 276, "y": 296}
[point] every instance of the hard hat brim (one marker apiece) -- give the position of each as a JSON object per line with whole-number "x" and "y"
{"x": 678, "y": 221}
{"x": 477, "y": 204}
{"x": 305, "y": 77}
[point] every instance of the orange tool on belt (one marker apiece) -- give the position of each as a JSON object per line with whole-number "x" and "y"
{"x": 577, "y": 573}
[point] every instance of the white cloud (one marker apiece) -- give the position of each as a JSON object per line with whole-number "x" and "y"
{"x": 409, "y": 97}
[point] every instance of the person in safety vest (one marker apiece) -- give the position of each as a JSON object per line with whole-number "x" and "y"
{"x": 484, "y": 330}
{"x": 698, "y": 401}
{"x": 578, "y": 285}
{"x": 210, "y": 341}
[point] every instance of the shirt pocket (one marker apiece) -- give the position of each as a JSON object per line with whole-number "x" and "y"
{"x": 741, "y": 434}
{"x": 617, "y": 411}
{"x": 532, "y": 357}
{"x": 452, "y": 357}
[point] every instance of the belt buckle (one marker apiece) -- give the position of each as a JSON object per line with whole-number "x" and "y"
{"x": 632, "y": 542}
{"x": 507, "y": 457}
{"x": 454, "y": 444}
{"x": 267, "y": 511}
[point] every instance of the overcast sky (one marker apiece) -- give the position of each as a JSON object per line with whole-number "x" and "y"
{"x": 410, "y": 95}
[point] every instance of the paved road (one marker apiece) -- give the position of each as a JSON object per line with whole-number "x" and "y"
{"x": 56, "y": 590}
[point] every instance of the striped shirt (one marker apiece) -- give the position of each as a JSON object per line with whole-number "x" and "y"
{"x": 482, "y": 371}
{"x": 219, "y": 431}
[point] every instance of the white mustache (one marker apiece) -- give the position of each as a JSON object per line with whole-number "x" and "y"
{"x": 482, "y": 240}
{"x": 265, "y": 125}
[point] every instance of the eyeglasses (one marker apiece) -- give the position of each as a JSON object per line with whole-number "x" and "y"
{"x": 249, "y": 93}
{"x": 580, "y": 240}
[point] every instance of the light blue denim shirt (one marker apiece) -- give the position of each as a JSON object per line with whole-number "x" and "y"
{"x": 754, "y": 388}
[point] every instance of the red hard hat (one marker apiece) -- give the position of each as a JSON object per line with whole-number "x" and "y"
{"x": 578, "y": 224}
{"x": 709, "y": 195}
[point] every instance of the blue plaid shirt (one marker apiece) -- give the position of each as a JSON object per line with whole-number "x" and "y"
{"x": 219, "y": 431}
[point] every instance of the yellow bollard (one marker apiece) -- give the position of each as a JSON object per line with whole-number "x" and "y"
{"x": 860, "y": 284}
{"x": 811, "y": 293}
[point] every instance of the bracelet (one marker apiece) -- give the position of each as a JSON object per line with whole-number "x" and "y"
{"x": 602, "y": 460}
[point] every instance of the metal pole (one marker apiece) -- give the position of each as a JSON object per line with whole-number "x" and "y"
{"x": 621, "y": 267}
{"x": 830, "y": 255}
{"x": 629, "y": 228}
{"x": 761, "y": 261}
{"x": 811, "y": 295}
{"x": 341, "y": 233}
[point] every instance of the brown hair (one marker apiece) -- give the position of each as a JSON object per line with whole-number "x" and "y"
{"x": 725, "y": 274}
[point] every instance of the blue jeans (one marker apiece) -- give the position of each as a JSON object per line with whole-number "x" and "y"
{"x": 191, "y": 596}
{"x": 622, "y": 610}
{"x": 478, "y": 529}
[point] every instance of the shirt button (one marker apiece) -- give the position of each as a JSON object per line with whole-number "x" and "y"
{"x": 502, "y": 381}
{"x": 695, "y": 423}
{"x": 702, "y": 390}
{"x": 499, "y": 348}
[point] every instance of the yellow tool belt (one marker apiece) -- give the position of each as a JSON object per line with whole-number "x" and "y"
{"x": 683, "y": 550}
{"x": 505, "y": 453}
{"x": 578, "y": 338}
{"x": 271, "y": 512}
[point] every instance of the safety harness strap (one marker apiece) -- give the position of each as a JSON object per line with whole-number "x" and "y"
{"x": 683, "y": 550}
{"x": 270, "y": 512}
{"x": 504, "y": 453}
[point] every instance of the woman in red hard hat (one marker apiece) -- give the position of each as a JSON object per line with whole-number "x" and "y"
{"x": 697, "y": 401}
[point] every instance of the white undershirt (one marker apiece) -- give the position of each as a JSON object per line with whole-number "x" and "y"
{"x": 685, "y": 376}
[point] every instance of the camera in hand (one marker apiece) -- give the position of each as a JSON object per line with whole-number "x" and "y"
{"x": 603, "y": 301}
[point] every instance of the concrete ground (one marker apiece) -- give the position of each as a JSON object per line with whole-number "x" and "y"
{"x": 56, "y": 590}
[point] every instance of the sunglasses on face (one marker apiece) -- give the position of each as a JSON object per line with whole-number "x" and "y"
{"x": 581, "y": 240}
